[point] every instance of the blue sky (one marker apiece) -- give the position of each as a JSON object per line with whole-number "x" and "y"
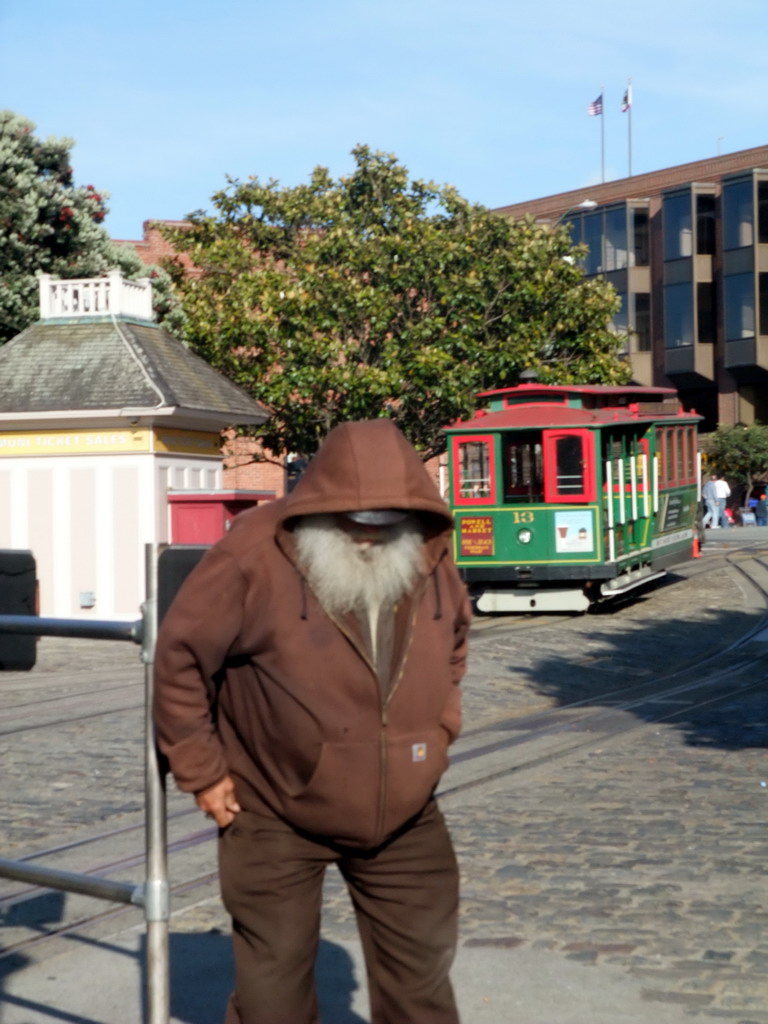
{"x": 165, "y": 99}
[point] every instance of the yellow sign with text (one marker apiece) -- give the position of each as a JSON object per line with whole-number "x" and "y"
{"x": 23, "y": 444}
{"x": 187, "y": 442}
{"x": 72, "y": 442}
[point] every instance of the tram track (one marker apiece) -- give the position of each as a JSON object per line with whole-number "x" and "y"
{"x": 497, "y": 749}
{"x": 559, "y": 732}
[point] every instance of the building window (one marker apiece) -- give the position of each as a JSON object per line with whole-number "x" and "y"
{"x": 678, "y": 315}
{"x": 593, "y": 238}
{"x": 640, "y": 238}
{"x": 705, "y": 225}
{"x": 705, "y": 311}
{"x": 573, "y": 223}
{"x": 763, "y": 284}
{"x": 739, "y": 306}
{"x": 762, "y": 212}
{"x": 642, "y": 321}
{"x": 678, "y": 228}
{"x": 616, "y": 239}
{"x": 620, "y": 322}
{"x": 738, "y": 215}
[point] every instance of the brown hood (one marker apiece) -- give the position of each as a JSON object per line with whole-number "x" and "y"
{"x": 363, "y": 465}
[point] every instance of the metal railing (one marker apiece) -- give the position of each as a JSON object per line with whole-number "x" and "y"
{"x": 153, "y": 894}
{"x": 111, "y": 295}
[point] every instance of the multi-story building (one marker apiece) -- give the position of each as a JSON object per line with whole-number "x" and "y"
{"x": 686, "y": 249}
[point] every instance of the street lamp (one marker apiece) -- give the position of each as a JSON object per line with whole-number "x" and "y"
{"x": 585, "y": 204}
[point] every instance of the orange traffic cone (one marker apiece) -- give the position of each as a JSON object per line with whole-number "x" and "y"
{"x": 696, "y": 548}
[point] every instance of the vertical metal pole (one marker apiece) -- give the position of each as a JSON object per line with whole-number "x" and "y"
{"x": 611, "y": 530}
{"x": 698, "y": 477}
{"x": 602, "y": 134}
{"x": 157, "y": 904}
{"x": 656, "y": 487}
{"x": 646, "y": 486}
{"x": 629, "y": 131}
{"x": 620, "y": 477}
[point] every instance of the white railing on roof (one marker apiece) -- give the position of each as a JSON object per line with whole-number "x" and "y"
{"x": 95, "y": 296}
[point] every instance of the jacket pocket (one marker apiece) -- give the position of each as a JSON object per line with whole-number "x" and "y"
{"x": 415, "y": 762}
{"x": 340, "y": 800}
{"x": 361, "y": 793}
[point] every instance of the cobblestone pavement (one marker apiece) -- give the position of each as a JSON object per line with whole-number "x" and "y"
{"x": 647, "y": 853}
{"x": 81, "y": 774}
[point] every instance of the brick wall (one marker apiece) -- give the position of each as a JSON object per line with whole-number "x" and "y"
{"x": 153, "y": 248}
{"x": 244, "y": 470}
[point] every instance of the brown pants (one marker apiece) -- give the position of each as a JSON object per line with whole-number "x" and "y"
{"x": 405, "y": 895}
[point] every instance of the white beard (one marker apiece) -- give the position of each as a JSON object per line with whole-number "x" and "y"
{"x": 349, "y": 577}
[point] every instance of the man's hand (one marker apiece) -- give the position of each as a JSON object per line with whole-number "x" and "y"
{"x": 219, "y": 802}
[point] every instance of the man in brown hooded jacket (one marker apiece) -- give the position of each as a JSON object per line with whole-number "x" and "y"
{"x": 306, "y": 691}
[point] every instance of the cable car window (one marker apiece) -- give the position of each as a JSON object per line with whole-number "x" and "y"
{"x": 660, "y": 453}
{"x": 669, "y": 460}
{"x": 569, "y": 471}
{"x": 570, "y": 466}
{"x": 473, "y": 464}
{"x": 680, "y": 464}
{"x": 523, "y": 469}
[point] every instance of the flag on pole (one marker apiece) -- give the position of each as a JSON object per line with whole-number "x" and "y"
{"x": 626, "y": 102}
{"x": 595, "y": 108}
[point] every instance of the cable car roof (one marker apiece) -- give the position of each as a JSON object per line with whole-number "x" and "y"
{"x": 546, "y": 415}
{"x": 614, "y": 391}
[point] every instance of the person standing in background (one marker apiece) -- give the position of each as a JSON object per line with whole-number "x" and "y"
{"x": 722, "y": 494}
{"x": 709, "y": 494}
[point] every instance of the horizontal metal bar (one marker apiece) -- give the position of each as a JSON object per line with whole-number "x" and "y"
{"x": 89, "y": 629}
{"x": 51, "y": 878}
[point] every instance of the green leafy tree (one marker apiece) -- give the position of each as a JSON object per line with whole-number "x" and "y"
{"x": 740, "y": 454}
{"x": 374, "y": 295}
{"x": 49, "y": 224}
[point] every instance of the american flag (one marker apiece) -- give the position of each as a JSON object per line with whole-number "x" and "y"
{"x": 626, "y": 103}
{"x": 595, "y": 108}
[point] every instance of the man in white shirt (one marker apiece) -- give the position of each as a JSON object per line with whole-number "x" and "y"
{"x": 722, "y": 493}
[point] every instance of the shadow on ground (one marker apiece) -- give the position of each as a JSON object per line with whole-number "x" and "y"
{"x": 602, "y": 659}
{"x": 202, "y": 978}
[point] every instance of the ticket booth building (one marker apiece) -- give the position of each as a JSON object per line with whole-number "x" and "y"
{"x": 105, "y": 420}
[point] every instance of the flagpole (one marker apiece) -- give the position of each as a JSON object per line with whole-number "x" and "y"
{"x": 602, "y": 134}
{"x": 629, "y": 126}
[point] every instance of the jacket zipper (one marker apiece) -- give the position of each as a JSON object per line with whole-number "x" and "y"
{"x": 384, "y": 760}
{"x": 382, "y": 705}
{"x": 384, "y": 702}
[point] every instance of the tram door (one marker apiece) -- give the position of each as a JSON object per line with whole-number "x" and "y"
{"x": 627, "y": 493}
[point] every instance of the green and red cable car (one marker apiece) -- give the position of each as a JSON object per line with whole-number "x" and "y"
{"x": 565, "y": 495}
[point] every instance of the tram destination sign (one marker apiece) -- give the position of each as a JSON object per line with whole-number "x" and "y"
{"x": 476, "y": 536}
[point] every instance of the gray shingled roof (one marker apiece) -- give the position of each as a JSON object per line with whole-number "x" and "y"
{"x": 113, "y": 364}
